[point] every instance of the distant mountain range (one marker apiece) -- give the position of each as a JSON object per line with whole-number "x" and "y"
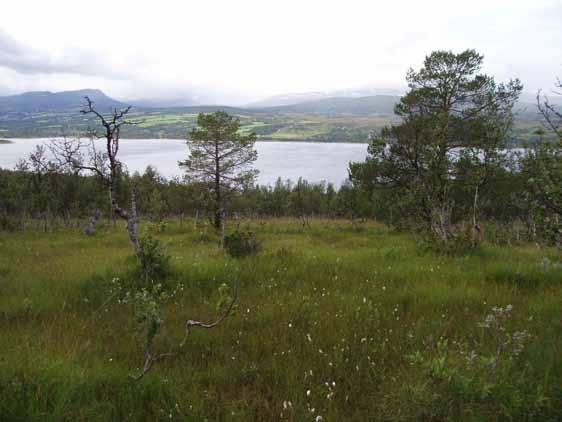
{"x": 341, "y": 106}
{"x": 305, "y": 97}
{"x": 348, "y": 116}
{"x": 163, "y": 102}
{"x": 288, "y": 99}
{"x": 43, "y": 101}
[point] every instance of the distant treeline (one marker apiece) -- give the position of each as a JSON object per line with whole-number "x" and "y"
{"x": 27, "y": 196}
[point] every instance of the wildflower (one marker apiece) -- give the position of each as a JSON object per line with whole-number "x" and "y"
{"x": 307, "y": 393}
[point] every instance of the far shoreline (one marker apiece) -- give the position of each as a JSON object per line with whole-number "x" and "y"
{"x": 309, "y": 141}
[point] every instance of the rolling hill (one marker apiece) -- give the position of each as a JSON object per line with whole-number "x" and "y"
{"x": 361, "y": 106}
{"x": 288, "y": 99}
{"x": 333, "y": 119}
{"x": 44, "y": 101}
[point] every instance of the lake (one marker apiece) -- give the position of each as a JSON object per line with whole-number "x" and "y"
{"x": 313, "y": 161}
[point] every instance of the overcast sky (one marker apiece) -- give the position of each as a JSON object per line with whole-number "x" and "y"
{"x": 232, "y": 51}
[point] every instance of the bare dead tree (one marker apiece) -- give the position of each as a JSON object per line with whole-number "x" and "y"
{"x": 552, "y": 171}
{"x": 551, "y": 115}
{"x": 151, "y": 359}
{"x": 92, "y": 223}
{"x": 76, "y": 156}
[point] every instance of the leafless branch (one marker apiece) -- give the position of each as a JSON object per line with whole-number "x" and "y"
{"x": 150, "y": 358}
{"x": 551, "y": 115}
{"x": 191, "y": 323}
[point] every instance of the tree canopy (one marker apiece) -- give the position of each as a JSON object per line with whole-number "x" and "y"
{"x": 451, "y": 108}
{"x": 220, "y": 157}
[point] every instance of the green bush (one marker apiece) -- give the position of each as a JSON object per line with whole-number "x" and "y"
{"x": 153, "y": 262}
{"x": 241, "y": 243}
{"x": 479, "y": 369}
{"x": 458, "y": 244}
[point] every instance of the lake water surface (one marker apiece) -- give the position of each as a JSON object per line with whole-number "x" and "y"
{"x": 313, "y": 161}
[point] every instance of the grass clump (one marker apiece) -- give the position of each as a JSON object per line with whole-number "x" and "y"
{"x": 241, "y": 243}
{"x": 527, "y": 277}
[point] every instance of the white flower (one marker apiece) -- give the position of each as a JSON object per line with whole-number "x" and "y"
{"x": 307, "y": 393}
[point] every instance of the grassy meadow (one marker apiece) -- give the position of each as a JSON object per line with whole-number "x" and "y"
{"x": 335, "y": 322}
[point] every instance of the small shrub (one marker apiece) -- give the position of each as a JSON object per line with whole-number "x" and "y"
{"x": 147, "y": 303}
{"x": 153, "y": 262}
{"x": 458, "y": 244}
{"x": 147, "y": 306}
{"x": 477, "y": 369}
{"x": 157, "y": 227}
{"x": 241, "y": 243}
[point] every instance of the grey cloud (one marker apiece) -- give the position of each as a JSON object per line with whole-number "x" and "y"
{"x": 25, "y": 59}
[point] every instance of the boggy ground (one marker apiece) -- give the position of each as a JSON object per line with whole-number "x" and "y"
{"x": 336, "y": 322}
